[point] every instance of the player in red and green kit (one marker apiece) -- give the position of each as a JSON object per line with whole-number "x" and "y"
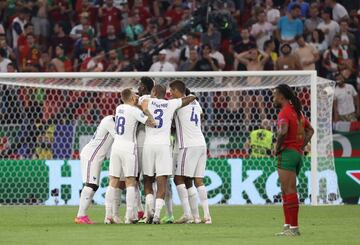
{"x": 294, "y": 133}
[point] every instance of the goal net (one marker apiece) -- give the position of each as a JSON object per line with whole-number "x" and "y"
{"x": 46, "y": 119}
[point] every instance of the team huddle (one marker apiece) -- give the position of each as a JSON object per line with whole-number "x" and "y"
{"x": 140, "y": 139}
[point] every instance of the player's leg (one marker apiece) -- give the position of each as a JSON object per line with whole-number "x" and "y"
{"x": 288, "y": 165}
{"x": 199, "y": 183}
{"x": 130, "y": 173}
{"x": 193, "y": 199}
{"x": 161, "y": 182}
{"x": 169, "y": 218}
{"x": 139, "y": 209}
{"x": 90, "y": 174}
{"x": 148, "y": 161}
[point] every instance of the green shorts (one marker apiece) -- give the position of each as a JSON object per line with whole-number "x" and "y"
{"x": 290, "y": 160}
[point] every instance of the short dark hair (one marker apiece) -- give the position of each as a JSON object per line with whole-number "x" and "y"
{"x": 3, "y": 52}
{"x": 126, "y": 94}
{"x": 28, "y": 24}
{"x": 148, "y": 83}
{"x": 295, "y": 6}
{"x": 179, "y": 85}
{"x": 267, "y": 43}
{"x": 321, "y": 36}
{"x": 297, "y": 37}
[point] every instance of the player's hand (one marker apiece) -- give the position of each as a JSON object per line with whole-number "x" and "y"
{"x": 151, "y": 123}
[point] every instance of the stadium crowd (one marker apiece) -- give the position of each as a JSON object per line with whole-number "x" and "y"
{"x": 113, "y": 35}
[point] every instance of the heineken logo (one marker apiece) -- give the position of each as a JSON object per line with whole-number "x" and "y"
{"x": 354, "y": 174}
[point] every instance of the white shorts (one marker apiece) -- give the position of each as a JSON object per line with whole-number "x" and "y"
{"x": 90, "y": 167}
{"x": 157, "y": 160}
{"x": 191, "y": 162}
{"x": 123, "y": 164}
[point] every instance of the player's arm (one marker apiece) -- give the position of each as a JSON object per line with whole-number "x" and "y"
{"x": 187, "y": 100}
{"x": 145, "y": 109}
{"x": 309, "y": 131}
{"x": 281, "y": 135}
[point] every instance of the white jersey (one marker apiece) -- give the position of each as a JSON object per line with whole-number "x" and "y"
{"x": 163, "y": 113}
{"x": 140, "y": 134}
{"x": 188, "y": 126}
{"x": 102, "y": 140}
{"x": 126, "y": 122}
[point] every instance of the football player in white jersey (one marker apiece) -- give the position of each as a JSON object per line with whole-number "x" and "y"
{"x": 157, "y": 159}
{"x": 145, "y": 86}
{"x": 192, "y": 155}
{"x": 123, "y": 159}
{"x": 91, "y": 159}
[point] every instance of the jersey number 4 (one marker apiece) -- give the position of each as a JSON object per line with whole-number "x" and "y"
{"x": 120, "y": 125}
{"x": 159, "y": 113}
{"x": 194, "y": 117}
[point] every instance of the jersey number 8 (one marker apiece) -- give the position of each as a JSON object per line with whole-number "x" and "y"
{"x": 120, "y": 125}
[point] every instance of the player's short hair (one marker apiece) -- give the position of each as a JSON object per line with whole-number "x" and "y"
{"x": 126, "y": 94}
{"x": 160, "y": 90}
{"x": 179, "y": 85}
{"x": 148, "y": 83}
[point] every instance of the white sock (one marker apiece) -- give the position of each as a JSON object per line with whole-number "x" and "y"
{"x": 184, "y": 198}
{"x": 86, "y": 197}
{"x": 193, "y": 201}
{"x": 130, "y": 202}
{"x": 139, "y": 205}
{"x": 168, "y": 200}
{"x": 149, "y": 202}
{"x": 159, "y": 203}
{"x": 116, "y": 201}
{"x": 204, "y": 200}
{"x": 109, "y": 196}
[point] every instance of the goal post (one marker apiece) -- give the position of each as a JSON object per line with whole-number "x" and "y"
{"x": 64, "y": 109}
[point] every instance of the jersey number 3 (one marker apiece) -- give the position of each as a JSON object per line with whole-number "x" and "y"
{"x": 159, "y": 113}
{"x": 120, "y": 125}
{"x": 194, "y": 117}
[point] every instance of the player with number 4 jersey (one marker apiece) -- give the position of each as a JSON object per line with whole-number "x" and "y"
{"x": 192, "y": 155}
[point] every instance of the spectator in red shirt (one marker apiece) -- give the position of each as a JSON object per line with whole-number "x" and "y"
{"x": 85, "y": 48}
{"x": 86, "y": 6}
{"x": 28, "y": 29}
{"x": 174, "y": 15}
{"x": 140, "y": 9}
{"x": 29, "y": 55}
{"x": 61, "y": 62}
{"x": 59, "y": 11}
{"x": 109, "y": 15}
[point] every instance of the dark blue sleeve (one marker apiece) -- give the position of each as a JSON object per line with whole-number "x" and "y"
{"x": 17, "y": 28}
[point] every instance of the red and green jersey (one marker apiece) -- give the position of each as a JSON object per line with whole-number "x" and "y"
{"x": 296, "y": 128}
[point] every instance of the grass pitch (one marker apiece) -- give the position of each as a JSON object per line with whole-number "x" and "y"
{"x": 231, "y": 225}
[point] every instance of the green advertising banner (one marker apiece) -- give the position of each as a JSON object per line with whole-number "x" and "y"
{"x": 229, "y": 181}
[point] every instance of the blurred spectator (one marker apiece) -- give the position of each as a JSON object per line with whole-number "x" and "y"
{"x": 250, "y": 60}
{"x": 219, "y": 57}
{"x": 18, "y": 25}
{"x": 304, "y": 6}
{"x": 269, "y": 49}
{"x": 261, "y": 30}
{"x": 84, "y": 26}
{"x": 85, "y": 48}
{"x": 60, "y": 11}
{"x": 333, "y": 58}
{"x": 346, "y": 101}
{"x": 173, "y": 54}
{"x": 133, "y": 30}
{"x": 109, "y": 15}
{"x": 306, "y": 53}
{"x": 44, "y": 62}
{"x": 41, "y": 21}
{"x": 272, "y": 14}
{"x": 142, "y": 10}
{"x": 114, "y": 62}
{"x": 288, "y": 61}
{"x": 190, "y": 63}
{"x": 348, "y": 40}
{"x": 206, "y": 63}
{"x": 61, "y": 62}
{"x": 60, "y": 37}
{"x": 96, "y": 64}
{"x": 11, "y": 68}
{"x": 338, "y": 11}
{"x": 29, "y": 55}
{"x": 28, "y": 29}
{"x": 110, "y": 41}
{"x": 3, "y": 61}
{"x": 211, "y": 37}
{"x": 318, "y": 41}
{"x": 174, "y": 14}
{"x": 162, "y": 64}
{"x": 10, "y": 54}
{"x": 289, "y": 26}
{"x": 312, "y": 22}
{"x": 88, "y": 7}
{"x": 190, "y": 43}
{"x": 328, "y": 26}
